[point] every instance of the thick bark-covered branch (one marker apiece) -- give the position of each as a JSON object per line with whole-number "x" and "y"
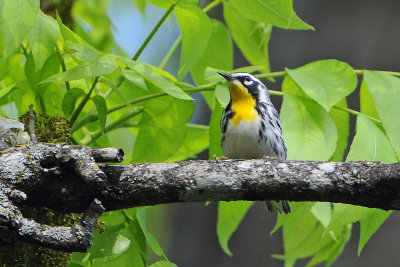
{"x": 66, "y": 178}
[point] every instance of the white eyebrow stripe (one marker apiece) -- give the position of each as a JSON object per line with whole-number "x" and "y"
{"x": 243, "y": 74}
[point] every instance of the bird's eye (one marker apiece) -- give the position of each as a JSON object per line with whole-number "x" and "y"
{"x": 247, "y": 81}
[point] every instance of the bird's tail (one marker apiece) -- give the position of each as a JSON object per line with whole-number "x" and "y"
{"x": 281, "y": 206}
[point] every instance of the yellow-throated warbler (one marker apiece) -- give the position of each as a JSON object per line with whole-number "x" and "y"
{"x": 250, "y": 126}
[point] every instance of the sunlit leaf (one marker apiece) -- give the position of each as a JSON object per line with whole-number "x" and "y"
{"x": 251, "y": 37}
{"x": 196, "y": 140}
{"x": 308, "y": 130}
{"x": 162, "y": 129}
{"x": 16, "y": 19}
{"x": 367, "y": 105}
{"x": 385, "y": 92}
{"x": 163, "y": 264}
{"x": 42, "y": 37}
{"x": 83, "y": 52}
{"x": 218, "y": 54}
{"x": 344, "y": 214}
{"x": 341, "y": 119}
{"x": 196, "y": 32}
{"x": 152, "y": 76}
{"x": 370, "y": 143}
{"x": 69, "y": 35}
{"x": 276, "y": 12}
{"x": 104, "y": 65}
{"x": 323, "y": 212}
{"x": 325, "y": 81}
{"x": 303, "y": 234}
{"x": 222, "y": 94}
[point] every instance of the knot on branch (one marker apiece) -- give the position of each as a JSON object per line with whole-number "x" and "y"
{"x": 25, "y": 170}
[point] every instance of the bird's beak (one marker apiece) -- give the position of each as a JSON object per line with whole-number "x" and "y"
{"x": 227, "y": 76}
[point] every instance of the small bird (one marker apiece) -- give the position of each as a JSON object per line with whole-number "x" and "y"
{"x": 250, "y": 126}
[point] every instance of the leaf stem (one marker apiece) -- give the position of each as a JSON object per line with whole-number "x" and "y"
{"x": 357, "y": 113}
{"x": 211, "y": 5}
{"x": 170, "y": 52}
{"x": 83, "y": 102}
{"x": 94, "y": 117}
{"x": 24, "y": 51}
{"x": 155, "y": 29}
{"x": 112, "y": 126}
{"x": 62, "y": 63}
{"x": 178, "y": 40}
{"x": 348, "y": 110}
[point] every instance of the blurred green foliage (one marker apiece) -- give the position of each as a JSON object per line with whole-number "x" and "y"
{"x": 84, "y": 75}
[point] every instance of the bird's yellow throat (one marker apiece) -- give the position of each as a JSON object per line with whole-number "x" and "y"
{"x": 242, "y": 103}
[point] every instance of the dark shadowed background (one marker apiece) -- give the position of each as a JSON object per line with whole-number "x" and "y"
{"x": 365, "y": 34}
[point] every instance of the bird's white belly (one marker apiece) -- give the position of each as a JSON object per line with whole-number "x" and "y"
{"x": 243, "y": 142}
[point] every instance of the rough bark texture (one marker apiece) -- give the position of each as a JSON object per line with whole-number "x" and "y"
{"x": 67, "y": 179}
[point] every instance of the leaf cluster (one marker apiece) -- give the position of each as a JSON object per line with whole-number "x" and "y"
{"x": 113, "y": 100}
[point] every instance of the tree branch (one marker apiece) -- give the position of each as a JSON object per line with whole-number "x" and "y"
{"x": 66, "y": 178}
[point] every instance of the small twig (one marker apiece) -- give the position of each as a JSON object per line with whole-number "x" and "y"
{"x": 31, "y": 125}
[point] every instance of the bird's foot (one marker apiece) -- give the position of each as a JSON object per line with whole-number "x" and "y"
{"x": 219, "y": 158}
{"x": 270, "y": 158}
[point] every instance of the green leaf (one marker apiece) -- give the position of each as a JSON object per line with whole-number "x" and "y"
{"x": 162, "y": 129}
{"x": 323, "y": 212}
{"x": 367, "y": 105}
{"x": 369, "y": 225}
{"x": 119, "y": 245}
{"x": 69, "y": 100}
{"x": 69, "y": 35}
{"x": 370, "y": 143}
{"x": 333, "y": 250}
{"x": 341, "y": 119}
{"x": 10, "y": 64}
{"x": 215, "y": 131}
{"x": 302, "y": 234}
{"x": 42, "y": 37}
{"x": 153, "y": 243}
{"x": 134, "y": 78}
{"x": 325, "y": 81}
{"x": 35, "y": 76}
{"x": 222, "y": 94}
{"x": 153, "y": 77}
{"x": 163, "y": 264}
{"x": 384, "y": 89}
{"x": 250, "y": 36}
{"x": 196, "y": 32}
{"x": 101, "y": 108}
{"x": 141, "y": 4}
{"x": 218, "y": 54}
{"x": 308, "y": 130}
{"x": 276, "y": 12}
{"x": 16, "y": 19}
{"x": 344, "y": 214}
{"x": 279, "y": 222}
{"x": 83, "y": 52}
{"x": 196, "y": 140}
{"x": 230, "y": 214}
{"x": 104, "y": 65}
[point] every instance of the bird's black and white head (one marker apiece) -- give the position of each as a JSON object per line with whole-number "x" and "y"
{"x": 244, "y": 85}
